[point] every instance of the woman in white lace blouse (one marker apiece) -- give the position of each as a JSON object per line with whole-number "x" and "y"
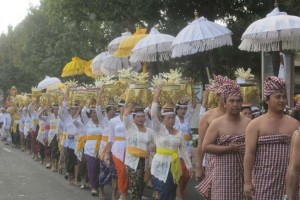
{"x": 169, "y": 142}
{"x": 138, "y": 138}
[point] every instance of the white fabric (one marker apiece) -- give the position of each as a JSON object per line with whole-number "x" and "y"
{"x": 27, "y": 124}
{"x": 72, "y": 126}
{"x": 7, "y": 121}
{"x": 97, "y": 63}
{"x": 55, "y": 126}
{"x": 200, "y": 35}
{"x": 185, "y": 127}
{"x": 134, "y": 138}
{"x": 154, "y": 47}
{"x": 114, "y": 44}
{"x": 268, "y": 33}
{"x": 202, "y": 111}
{"x": 41, "y": 131}
{"x": 34, "y": 117}
{"x": 161, "y": 163}
{"x": 117, "y": 129}
{"x": 91, "y": 129}
{"x": 111, "y": 65}
{"x": 49, "y": 82}
{"x": 282, "y": 67}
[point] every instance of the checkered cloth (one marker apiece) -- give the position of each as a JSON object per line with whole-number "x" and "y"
{"x": 218, "y": 82}
{"x": 204, "y": 187}
{"x": 230, "y": 88}
{"x": 271, "y": 163}
{"x": 274, "y": 84}
{"x": 226, "y": 179}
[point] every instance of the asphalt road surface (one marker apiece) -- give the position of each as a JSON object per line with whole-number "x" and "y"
{"x": 22, "y": 178}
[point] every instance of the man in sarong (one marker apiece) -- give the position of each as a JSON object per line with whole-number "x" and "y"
{"x": 204, "y": 123}
{"x": 225, "y": 139}
{"x": 293, "y": 174}
{"x": 267, "y": 144}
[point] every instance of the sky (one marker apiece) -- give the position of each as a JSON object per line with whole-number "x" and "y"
{"x": 12, "y": 12}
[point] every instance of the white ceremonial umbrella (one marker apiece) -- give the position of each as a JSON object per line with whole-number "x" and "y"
{"x": 154, "y": 47}
{"x": 200, "y": 35}
{"x": 277, "y": 31}
{"x": 113, "y": 45}
{"x": 111, "y": 65}
{"x": 49, "y": 83}
{"x": 97, "y": 63}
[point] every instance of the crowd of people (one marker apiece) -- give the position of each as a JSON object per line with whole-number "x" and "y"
{"x": 240, "y": 154}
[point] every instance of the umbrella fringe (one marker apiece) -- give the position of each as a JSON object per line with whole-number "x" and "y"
{"x": 268, "y": 45}
{"x": 151, "y": 57}
{"x": 274, "y": 35}
{"x": 193, "y": 47}
{"x": 161, "y": 51}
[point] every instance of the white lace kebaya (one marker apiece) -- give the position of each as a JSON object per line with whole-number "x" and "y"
{"x": 161, "y": 163}
{"x": 137, "y": 143}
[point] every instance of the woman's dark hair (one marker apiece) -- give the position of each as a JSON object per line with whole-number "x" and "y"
{"x": 246, "y": 107}
{"x": 108, "y": 108}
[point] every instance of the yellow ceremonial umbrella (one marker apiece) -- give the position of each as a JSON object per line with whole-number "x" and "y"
{"x": 75, "y": 67}
{"x": 88, "y": 69}
{"x": 125, "y": 47}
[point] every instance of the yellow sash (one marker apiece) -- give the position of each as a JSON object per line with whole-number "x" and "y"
{"x": 137, "y": 152}
{"x": 80, "y": 142}
{"x": 187, "y": 137}
{"x": 35, "y": 122}
{"x": 98, "y": 139}
{"x": 61, "y": 139}
{"x": 105, "y": 138}
{"x": 52, "y": 127}
{"x": 175, "y": 163}
{"x": 117, "y": 138}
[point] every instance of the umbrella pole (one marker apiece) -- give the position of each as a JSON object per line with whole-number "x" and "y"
{"x": 144, "y": 68}
{"x": 262, "y": 76}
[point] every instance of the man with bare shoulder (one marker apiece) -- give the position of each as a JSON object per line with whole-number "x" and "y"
{"x": 204, "y": 122}
{"x": 225, "y": 140}
{"x": 267, "y": 143}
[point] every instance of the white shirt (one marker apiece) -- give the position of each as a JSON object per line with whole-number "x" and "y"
{"x": 72, "y": 126}
{"x": 137, "y": 139}
{"x": 7, "y": 121}
{"x": 116, "y": 128}
{"x": 91, "y": 129}
{"x": 161, "y": 163}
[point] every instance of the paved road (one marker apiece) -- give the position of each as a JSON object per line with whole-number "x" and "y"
{"x": 22, "y": 178}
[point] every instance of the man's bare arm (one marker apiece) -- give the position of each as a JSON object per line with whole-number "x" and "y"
{"x": 251, "y": 137}
{"x": 292, "y": 178}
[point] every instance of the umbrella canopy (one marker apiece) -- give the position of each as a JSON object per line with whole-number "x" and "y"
{"x": 111, "y": 65}
{"x": 125, "y": 47}
{"x": 277, "y": 31}
{"x": 200, "y": 35}
{"x": 97, "y": 63}
{"x": 156, "y": 46}
{"x": 114, "y": 44}
{"x": 49, "y": 83}
{"x": 75, "y": 67}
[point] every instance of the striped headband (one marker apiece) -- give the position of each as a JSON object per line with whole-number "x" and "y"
{"x": 274, "y": 84}
{"x": 231, "y": 88}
